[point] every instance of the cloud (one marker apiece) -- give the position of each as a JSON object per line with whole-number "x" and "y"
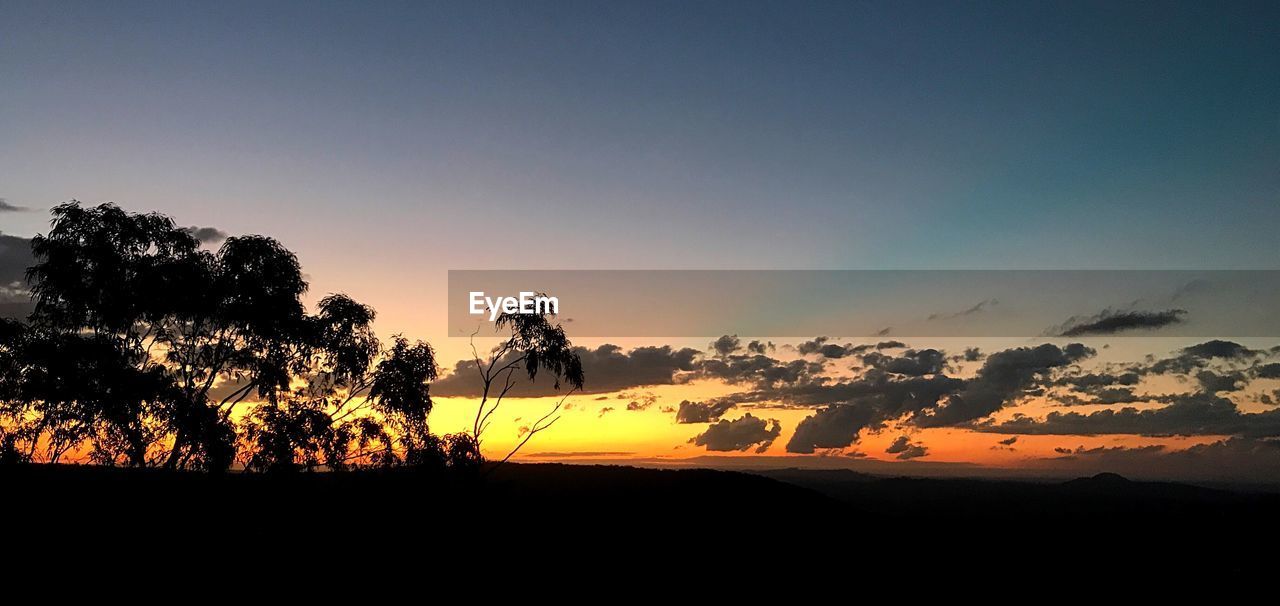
{"x": 761, "y": 347}
{"x": 905, "y": 449}
{"x": 6, "y": 207}
{"x": 206, "y": 235}
{"x": 835, "y": 426}
{"x": 15, "y": 258}
{"x": 1188, "y": 415}
{"x": 1109, "y": 322}
{"x": 1107, "y": 451}
{"x": 1009, "y": 441}
{"x": 1091, "y": 382}
{"x": 978, "y": 308}
{"x": 638, "y": 402}
{"x": 847, "y": 407}
{"x": 814, "y": 346}
{"x": 1268, "y": 371}
{"x": 607, "y": 368}
{"x": 1193, "y": 287}
{"x": 1212, "y": 382}
{"x": 740, "y": 434}
{"x": 758, "y": 370}
{"x": 1003, "y": 377}
{"x": 911, "y": 362}
{"x": 726, "y": 345}
{"x": 1201, "y": 355}
{"x": 823, "y": 347}
{"x": 702, "y": 412}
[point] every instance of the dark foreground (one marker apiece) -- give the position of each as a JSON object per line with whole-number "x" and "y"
{"x": 549, "y": 513}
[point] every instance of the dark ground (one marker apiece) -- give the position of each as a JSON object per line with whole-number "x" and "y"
{"x": 557, "y": 514}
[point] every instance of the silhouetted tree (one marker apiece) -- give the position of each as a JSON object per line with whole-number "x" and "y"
{"x": 401, "y": 392}
{"x": 143, "y": 345}
{"x": 316, "y": 423}
{"x": 158, "y": 323}
{"x": 13, "y": 336}
{"x": 172, "y": 311}
{"x": 534, "y": 344}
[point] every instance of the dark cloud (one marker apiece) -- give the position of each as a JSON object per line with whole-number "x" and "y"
{"x": 1109, "y": 322}
{"x": 604, "y": 411}
{"x": 1190, "y": 288}
{"x": 905, "y": 449}
{"x": 1187, "y": 415}
{"x": 890, "y": 396}
{"x": 740, "y": 434}
{"x": 1201, "y": 355}
{"x": 911, "y": 362}
{"x": 607, "y": 368}
{"x": 1115, "y": 395}
{"x": 639, "y": 401}
{"x": 726, "y": 345}
{"x": 1212, "y": 382}
{"x": 1220, "y": 349}
{"x": 814, "y": 346}
{"x": 206, "y": 235}
{"x": 15, "y": 258}
{"x": 1003, "y": 377}
{"x": 836, "y": 352}
{"x": 823, "y": 347}
{"x": 6, "y": 207}
{"x": 1091, "y": 382}
{"x": 702, "y": 412}
{"x": 978, "y": 308}
{"x": 1106, "y": 451}
{"x": 835, "y": 426}
{"x": 761, "y": 347}
{"x": 758, "y": 370}
{"x": 1268, "y": 371}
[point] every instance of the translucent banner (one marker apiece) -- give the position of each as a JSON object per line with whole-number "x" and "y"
{"x": 866, "y": 303}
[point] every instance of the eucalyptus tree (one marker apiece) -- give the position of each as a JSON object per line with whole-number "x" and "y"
{"x": 13, "y": 336}
{"x": 190, "y": 319}
{"x": 305, "y": 419}
{"x": 155, "y": 351}
{"x": 533, "y": 343}
{"x": 401, "y": 394}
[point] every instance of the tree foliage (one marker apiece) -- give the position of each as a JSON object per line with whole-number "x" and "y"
{"x": 145, "y": 349}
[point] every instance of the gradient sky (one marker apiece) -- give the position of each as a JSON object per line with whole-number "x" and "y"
{"x": 388, "y": 143}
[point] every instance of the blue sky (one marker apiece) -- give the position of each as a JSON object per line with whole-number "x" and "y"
{"x": 389, "y": 142}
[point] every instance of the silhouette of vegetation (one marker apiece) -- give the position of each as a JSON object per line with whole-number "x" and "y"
{"x": 147, "y": 350}
{"x": 534, "y": 343}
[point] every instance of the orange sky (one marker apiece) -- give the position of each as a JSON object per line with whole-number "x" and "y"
{"x": 587, "y": 431}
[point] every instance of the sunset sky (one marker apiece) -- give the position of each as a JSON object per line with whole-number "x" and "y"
{"x": 389, "y": 144}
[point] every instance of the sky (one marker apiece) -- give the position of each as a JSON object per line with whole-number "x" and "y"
{"x": 387, "y": 144}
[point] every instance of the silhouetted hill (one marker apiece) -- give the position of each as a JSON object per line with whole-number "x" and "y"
{"x": 571, "y": 511}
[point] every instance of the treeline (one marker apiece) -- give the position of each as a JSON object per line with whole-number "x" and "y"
{"x": 145, "y": 349}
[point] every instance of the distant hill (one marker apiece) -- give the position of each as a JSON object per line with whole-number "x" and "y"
{"x": 572, "y": 511}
